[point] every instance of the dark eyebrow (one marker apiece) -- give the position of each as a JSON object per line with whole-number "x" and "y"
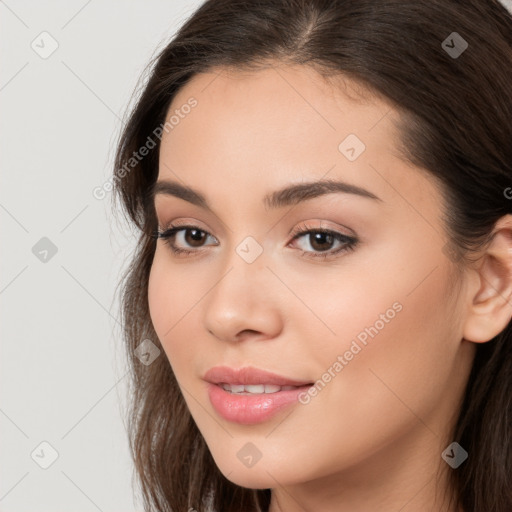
{"x": 289, "y": 195}
{"x": 294, "y": 194}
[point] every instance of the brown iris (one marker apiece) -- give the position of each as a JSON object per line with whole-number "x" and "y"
{"x": 319, "y": 239}
{"x": 196, "y": 237}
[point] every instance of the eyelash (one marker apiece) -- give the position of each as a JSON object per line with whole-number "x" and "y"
{"x": 349, "y": 242}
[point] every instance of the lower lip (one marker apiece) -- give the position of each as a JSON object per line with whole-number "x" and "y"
{"x": 254, "y": 408}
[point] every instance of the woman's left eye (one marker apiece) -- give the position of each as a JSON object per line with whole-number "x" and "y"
{"x": 322, "y": 242}
{"x": 319, "y": 242}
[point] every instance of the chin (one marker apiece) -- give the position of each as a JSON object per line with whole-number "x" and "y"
{"x": 264, "y": 474}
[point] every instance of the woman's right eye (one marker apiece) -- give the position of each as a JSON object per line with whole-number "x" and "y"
{"x": 183, "y": 239}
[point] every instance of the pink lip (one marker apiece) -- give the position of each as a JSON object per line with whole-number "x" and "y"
{"x": 248, "y": 375}
{"x": 250, "y": 409}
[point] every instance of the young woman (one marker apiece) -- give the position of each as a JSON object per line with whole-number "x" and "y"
{"x": 318, "y": 314}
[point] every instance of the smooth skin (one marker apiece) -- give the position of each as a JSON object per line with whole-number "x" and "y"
{"x": 372, "y": 438}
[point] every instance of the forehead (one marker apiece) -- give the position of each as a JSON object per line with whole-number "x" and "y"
{"x": 253, "y": 131}
{"x": 327, "y": 103}
{"x": 277, "y": 109}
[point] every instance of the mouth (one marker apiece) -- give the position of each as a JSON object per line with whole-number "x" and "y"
{"x": 249, "y": 395}
{"x": 254, "y": 389}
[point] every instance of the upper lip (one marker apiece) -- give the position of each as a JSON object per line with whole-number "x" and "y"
{"x": 248, "y": 375}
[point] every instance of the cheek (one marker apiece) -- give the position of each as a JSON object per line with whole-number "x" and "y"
{"x": 173, "y": 297}
{"x": 399, "y": 348}
{"x": 391, "y": 339}
{"x": 164, "y": 297}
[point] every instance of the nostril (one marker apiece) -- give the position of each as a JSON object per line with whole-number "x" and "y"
{"x": 246, "y": 332}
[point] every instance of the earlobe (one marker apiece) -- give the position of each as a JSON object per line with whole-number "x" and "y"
{"x": 490, "y": 303}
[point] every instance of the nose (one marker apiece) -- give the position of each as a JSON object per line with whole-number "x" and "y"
{"x": 244, "y": 303}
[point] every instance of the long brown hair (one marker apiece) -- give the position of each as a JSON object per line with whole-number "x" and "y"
{"x": 454, "y": 97}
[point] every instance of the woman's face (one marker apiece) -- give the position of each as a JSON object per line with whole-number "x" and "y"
{"x": 366, "y": 312}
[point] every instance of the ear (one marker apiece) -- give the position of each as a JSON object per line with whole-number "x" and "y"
{"x": 490, "y": 302}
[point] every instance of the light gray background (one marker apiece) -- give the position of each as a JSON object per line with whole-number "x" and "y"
{"x": 62, "y": 368}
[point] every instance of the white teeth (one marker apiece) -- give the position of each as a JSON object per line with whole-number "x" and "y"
{"x": 255, "y": 388}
